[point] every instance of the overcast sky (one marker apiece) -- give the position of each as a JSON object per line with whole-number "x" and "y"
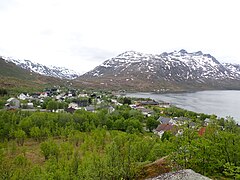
{"x": 81, "y": 34}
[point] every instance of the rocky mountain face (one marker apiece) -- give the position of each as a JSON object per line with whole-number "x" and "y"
{"x": 175, "y": 71}
{"x": 52, "y": 71}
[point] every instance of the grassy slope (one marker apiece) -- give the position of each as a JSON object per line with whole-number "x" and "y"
{"x": 16, "y": 78}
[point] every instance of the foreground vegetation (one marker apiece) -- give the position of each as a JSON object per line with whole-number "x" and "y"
{"x": 103, "y": 145}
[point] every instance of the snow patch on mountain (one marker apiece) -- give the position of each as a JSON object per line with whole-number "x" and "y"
{"x": 53, "y": 71}
{"x": 177, "y": 66}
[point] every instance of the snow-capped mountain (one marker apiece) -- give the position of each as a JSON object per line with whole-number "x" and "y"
{"x": 166, "y": 71}
{"x": 53, "y": 71}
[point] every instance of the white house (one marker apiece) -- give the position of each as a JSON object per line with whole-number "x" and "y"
{"x": 82, "y": 95}
{"x": 30, "y": 105}
{"x": 22, "y": 96}
{"x": 43, "y": 95}
{"x": 73, "y": 105}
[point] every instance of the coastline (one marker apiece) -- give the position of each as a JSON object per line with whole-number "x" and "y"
{"x": 222, "y": 103}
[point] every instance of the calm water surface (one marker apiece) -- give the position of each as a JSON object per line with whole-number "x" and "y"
{"x": 220, "y": 103}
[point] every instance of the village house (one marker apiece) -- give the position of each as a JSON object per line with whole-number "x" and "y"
{"x": 145, "y": 111}
{"x": 150, "y": 103}
{"x": 163, "y": 104}
{"x": 30, "y": 105}
{"x": 90, "y": 108}
{"x": 111, "y": 109}
{"x": 165, "y": 127}
{"x": 73, "y": 105}
{"x": 180, "y": 120}
{"x": 23, "y": 96}
{"x": 207, "y": 121}
{"x": 12, "y": 103}
{"x": 114, "y": 101}
{"x": 35, "y": 95}
{"x": 82, "y": 95}
{"x": 43, "y": 95}
{"x": 70, "y": 110}
{"x": 192, "y": 125}
{"x": 166, "y": 120}
{"x": 60, "y": 97}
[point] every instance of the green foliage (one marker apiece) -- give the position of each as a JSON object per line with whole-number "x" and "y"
{"x": 54, "y": 105}
{"x": 3, "y": 92}
{"x": 20, "y": 136}
{"x": 208, "y": 154}
{"x": 125, "y": 100}
{"x": 103, "y": 145}
{"x": 231, "y": 171}
{"x": 166, "y": 136}
{"x": 39, "y": 134}
{"x": 151, "y": 123}
{"x": 50, "y": 149}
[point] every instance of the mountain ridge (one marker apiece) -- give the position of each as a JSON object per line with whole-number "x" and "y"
{"x": 52, "y": 71}
{"x": 174, "y": 71}
{"x": 15, "y": 77}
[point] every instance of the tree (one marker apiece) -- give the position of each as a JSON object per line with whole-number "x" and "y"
{"x": 52, "y": 105}
{"x": 3, "y": 92}
{"x": 35, "y": 132}
{"x": 49, "y": 149}
{"x": 127, "y": 100}
{"x": 20, "y": 136}
{"x": 151, "y": 123}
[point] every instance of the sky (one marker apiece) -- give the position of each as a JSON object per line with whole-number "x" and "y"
{"x": 81, "y": 34}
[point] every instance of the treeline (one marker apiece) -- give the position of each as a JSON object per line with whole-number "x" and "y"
{"x": 3, "y": 92}
{"x": 103, "y": 145}
{"x": 41, "y": 125}
{"x": 82, "y": 145}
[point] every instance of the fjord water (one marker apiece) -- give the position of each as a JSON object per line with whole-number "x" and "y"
{"x": 220, "y": 103}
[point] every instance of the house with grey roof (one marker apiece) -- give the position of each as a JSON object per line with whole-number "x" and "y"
{"x": 12, "y": 103}
{"x": 90, "y": 108}
{"x": 180, "y": 120}
{"x": 165, "y": 120}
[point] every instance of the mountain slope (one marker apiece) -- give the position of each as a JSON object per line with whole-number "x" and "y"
{"x": 175, "y": 71}
{"x": 13, "y": 76}
{"x": 9, "y": 69}
{"x": 53, "y": 71}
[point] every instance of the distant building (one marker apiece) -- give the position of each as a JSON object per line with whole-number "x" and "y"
{"x": 165, "y": 120}
{"x": 30, "y": 105}
{"x": 12, "y": 103}
{"x": 152, "y": 103}
{"x": 90, "y": 108}
{"x": 22, "y": 96}
{"x": 70, "y": 110}
{"x": 202, "y": 131}
{"x": 145, "y": 111}
{"x": 43, "y": 95}
{"x": 166, "y": 127}
{"x": 73, "y": 105}
{"x": 111, "y": 109}
{"x": 164, "y": 104}
{"x": 82, "y": 95}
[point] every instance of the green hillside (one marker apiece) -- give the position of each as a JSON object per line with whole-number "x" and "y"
{"x": 16, "y": 78}
{"x": 9, "y": 69}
